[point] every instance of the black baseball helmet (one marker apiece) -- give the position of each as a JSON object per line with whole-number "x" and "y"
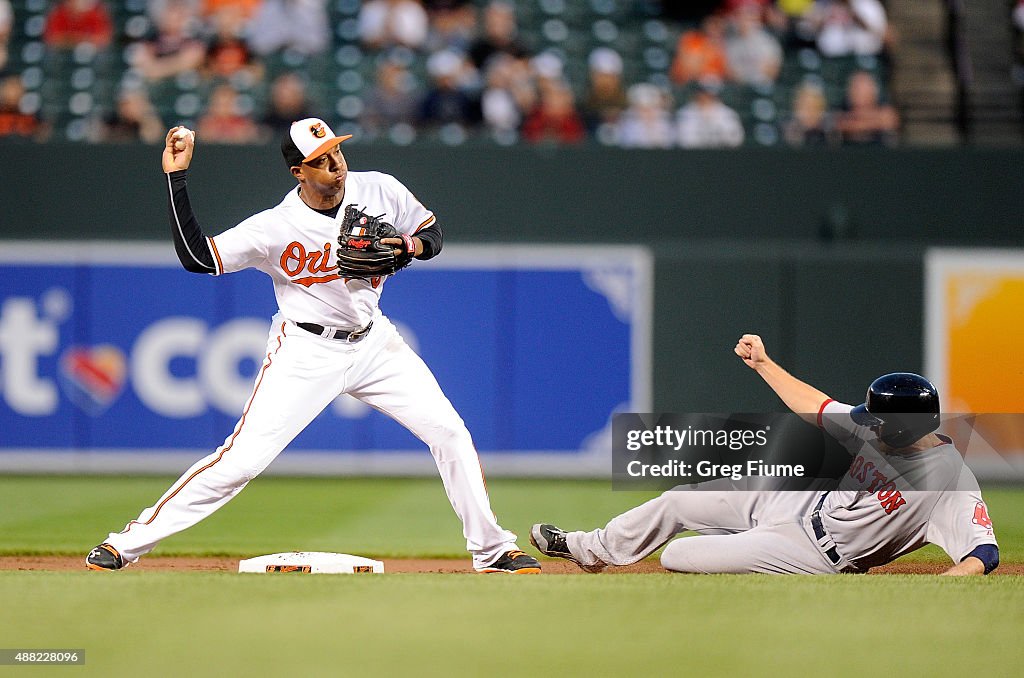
{"x": 903, "y": 405}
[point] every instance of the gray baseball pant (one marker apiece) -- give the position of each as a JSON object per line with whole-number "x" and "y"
{"x": 740, "y": 532}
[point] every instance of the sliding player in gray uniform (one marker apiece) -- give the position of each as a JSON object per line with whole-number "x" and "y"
{"x": 907, "y": 486}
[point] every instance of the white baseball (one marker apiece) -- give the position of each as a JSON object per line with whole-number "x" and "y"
{"x": 179, "y": 137}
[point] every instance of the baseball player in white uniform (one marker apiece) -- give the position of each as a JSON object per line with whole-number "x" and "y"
{"x": 878, "y": 512}
{"x": 329, "y": 337}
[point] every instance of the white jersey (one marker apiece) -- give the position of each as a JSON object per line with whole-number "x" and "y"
{"x": 879, "y": 511}
{"x": 294, "y": 244}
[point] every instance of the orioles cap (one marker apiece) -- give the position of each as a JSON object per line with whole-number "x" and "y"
{"x": 307, "y": 139}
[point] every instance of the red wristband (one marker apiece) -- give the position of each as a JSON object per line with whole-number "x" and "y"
{"x": 822, "y": 409}
{"x": 410, "y": 244}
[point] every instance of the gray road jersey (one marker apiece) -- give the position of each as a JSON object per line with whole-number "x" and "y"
{"x": 887, "y": 506}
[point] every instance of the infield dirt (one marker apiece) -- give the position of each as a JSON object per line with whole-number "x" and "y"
{"x": 409, "y": 566}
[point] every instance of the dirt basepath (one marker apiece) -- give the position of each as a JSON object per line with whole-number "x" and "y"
{"x": 391, "y": 566}
{"x": 403, "y": 566}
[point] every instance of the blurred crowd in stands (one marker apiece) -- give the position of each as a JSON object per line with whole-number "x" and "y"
{"x": 480, "y": 76}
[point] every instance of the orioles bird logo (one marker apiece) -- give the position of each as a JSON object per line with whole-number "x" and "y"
{"x": 318, "y": 130}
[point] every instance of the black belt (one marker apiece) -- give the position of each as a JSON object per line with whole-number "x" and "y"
{"x": 820, "y": 533}
{"x": 334, "y": 333}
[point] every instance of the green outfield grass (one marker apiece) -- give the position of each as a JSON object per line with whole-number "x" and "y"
{"x": 157, "y": 624}
{"x": 223, "y": 624}
{"x": 383, "y": 517}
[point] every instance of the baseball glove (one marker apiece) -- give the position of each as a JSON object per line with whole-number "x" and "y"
{"x": 361, "y": 254}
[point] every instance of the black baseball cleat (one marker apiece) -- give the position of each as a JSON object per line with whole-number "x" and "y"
{"x": 104, "y": 557}
{"x": 550, "y": 541}
{"x": 513, "y": 562}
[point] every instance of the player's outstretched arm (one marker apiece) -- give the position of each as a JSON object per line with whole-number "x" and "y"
{"x": 968, "y": 566}
{"x": 982, "y": 560}
{"x": 190, "y": 243}
{"x": 800, "y": 397}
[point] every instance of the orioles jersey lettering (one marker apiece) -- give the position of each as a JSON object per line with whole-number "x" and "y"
{"x": 295, "y": 259}
{"x": 297, "y": 247}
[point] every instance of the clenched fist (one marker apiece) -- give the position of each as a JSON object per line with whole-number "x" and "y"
{"x": 751, "y": 349}
{"x": 179, "y": 144}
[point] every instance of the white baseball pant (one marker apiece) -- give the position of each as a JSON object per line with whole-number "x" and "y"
{"x": 739, "y": 532}
{"x": 301, "y": 375}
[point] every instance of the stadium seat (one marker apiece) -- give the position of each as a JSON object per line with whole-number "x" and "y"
{"x": 70, "y": 86}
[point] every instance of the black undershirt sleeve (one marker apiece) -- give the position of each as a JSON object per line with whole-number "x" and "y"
{"x": 189, "y": 241}
{"x": 432, "y": 238}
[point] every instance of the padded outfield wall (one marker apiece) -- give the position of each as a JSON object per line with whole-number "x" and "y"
{"x": 821, "y": 253}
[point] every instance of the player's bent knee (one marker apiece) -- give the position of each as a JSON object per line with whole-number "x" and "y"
{"x": 229, "y": 476}
{"x": 450, "y": 440}
{"x": 677, "y": 558}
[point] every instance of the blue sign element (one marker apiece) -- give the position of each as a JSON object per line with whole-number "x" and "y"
{"x": 148, "y": 358}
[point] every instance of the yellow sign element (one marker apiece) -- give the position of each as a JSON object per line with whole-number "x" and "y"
{"x": 984, "y": 315}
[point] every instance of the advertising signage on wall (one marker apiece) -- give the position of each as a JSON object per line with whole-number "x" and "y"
{"x": 122, "y": 361}
{"x": 974, "y": 311}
